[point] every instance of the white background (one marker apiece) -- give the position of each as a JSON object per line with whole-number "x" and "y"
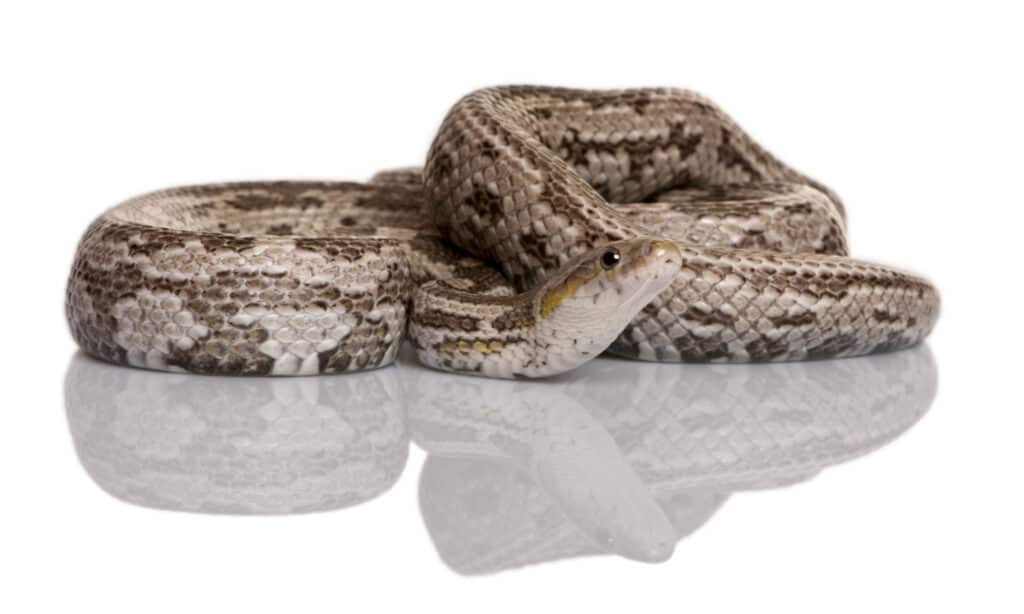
{"x": 912, "y": 114}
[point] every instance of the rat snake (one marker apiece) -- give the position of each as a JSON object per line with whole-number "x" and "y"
{"x": 547, "y": 225}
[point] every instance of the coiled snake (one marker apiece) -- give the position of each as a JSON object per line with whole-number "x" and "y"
{"x": 547, "y": 225}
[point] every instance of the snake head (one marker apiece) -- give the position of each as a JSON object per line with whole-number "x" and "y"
{"x": 590, "y": 300}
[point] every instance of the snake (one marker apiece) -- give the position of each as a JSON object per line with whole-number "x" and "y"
{"x": 547, "y": 226}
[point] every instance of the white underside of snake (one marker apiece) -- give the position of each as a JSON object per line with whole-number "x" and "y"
{"x": 547, "y": 226}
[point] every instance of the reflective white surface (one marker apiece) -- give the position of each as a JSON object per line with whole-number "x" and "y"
{"x": 619, "y": 457}
{"x": 911, "y": 113}
{"x": 628, "y": 458}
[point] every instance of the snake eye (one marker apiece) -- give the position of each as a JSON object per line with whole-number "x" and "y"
{"x": 610, "y": 259}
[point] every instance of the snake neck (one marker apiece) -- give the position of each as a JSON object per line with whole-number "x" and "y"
{"x": 556, "y": 327}
{"x": 506, "y": 337}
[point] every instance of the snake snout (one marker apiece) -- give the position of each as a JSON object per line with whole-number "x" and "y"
{"x": 662, "y": 255}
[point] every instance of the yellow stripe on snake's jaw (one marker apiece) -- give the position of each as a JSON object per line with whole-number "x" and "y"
{"x": 566, "y": 289}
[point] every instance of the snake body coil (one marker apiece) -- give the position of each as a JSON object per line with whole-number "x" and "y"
{"x": 547, "y": 225}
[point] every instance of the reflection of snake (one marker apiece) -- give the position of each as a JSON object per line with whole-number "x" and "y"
{"x": 232, "y": 445}
{"x": 517, "y": 476}
{"x": 301, "y": 278}
{"x": 616, "y": 457}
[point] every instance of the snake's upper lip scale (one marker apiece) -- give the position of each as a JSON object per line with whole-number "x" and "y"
{"x": 665, "y": 250}
{"x": 660, "y": 249}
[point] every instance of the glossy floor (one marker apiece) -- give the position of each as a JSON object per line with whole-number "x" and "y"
{"x": 618, "y": 458}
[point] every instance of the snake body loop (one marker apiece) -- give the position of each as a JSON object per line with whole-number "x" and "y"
{"x": 523, "y": 176}
{"x": 547, "y": 225}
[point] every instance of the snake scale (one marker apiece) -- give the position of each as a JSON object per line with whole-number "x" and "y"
{"x": 547, "y": 225}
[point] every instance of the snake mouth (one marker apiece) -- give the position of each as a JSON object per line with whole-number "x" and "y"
{"x": 643, "y": 295}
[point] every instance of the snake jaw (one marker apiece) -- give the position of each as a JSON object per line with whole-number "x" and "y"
{"x": 585, "y": 307}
